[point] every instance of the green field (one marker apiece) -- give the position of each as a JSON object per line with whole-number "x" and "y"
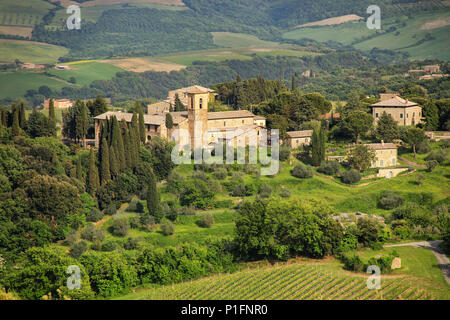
{"x": 405, "y": 36}
{"x": 14, "y": 85}
{"x": 23, "y": 13}
{"x": 93, "y": 13}
{"x": 239, "y": 40}
{"x": 294, "y": 280}
{"x": 28, "y": 51}
{"x": 86, "y": 72}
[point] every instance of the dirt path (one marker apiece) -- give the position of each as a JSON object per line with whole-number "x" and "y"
{"x": 412, "y": 163}
{"x": 443, "y": 260}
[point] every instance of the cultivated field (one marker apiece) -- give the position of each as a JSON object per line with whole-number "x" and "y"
{"x": 425, "y": 36}
{"x": 332, "y": 21}
{"x": 143, "y": 64}
{"x": 293, "y": 280}
{"x": 23, "y": 13}
{"x": 14, "y": 85}
{"x": 93, "y": 3}
{"x": 16, "y": 31}
{"x": 30, "y": 51}
{"x": 239, "y": 40}
{"x": 86, "y": 72}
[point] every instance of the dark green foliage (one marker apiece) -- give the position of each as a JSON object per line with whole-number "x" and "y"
{"x": 318, "y": 146}
{"x": 161, "y": 151}
{"x": 91, "y": 233}
{"x": 52, "y": 118}
{"x": 280, "y": 229}
{"x": 390, "y": 200}
{"x": 387, "y": 128}
{"x": 285, "y": 153}
{"x": 111, "y": 209}
{"x": 265, "y": 191}
{"x": 105, "y": 173}
{"x": 94, "y": 215}
{"x": 330, "y": 168}
{"x": 368, "y": 231}
{"x": 361, "y": 157}
{"x": 15, "y": 123}
{"x": 153, "y": 197}
{"x": 142, "y": 132}
{"x": 302, "y": 171}
{"x": 167, "y": 228}
{"x": 196, "y": 193}
{"x": 205, "y": 221}
{"x": 51, "y": 266}
{"x": 169, "y": 121}
{"x": 431, "y": 165}
{"x": 120, "y": 227}
{"x": 413, "y": 136}
{"x": 78, "y": 249}
{"x": 93, "y": 178}
{"x": 351, "y": 176}
{"x": 439, "y": 156}
{"x": 109, "y": 273}
{"x": 423, "y": 147}
{"x": 352, "y": 262}
{"x": 358, "y": 122}
{"x": 38, "y": 125}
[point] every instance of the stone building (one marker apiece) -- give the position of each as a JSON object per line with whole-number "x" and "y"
{"x": 385, "y": 154}
{"x": 404, "y": 112}
{"x": 202, "y": 128}
{"x": 299, "y": 138}
{"x": 59, "y": 103}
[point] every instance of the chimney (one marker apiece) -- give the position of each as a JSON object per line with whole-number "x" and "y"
{"x": 406, "y": 101}
{"x": 382, "y": 142}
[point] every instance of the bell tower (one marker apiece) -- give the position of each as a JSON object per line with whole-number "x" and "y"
{"x": 198, "y": 117}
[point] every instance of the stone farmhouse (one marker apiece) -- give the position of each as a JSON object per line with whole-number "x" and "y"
{"x": 239, "y": 127}
{"x": 404, "y": 112}
{"x": 299, "y": 138}
{"x": 385, "y": 154}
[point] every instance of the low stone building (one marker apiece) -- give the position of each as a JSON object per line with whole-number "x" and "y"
{"x": 299, "y": 138}
{"x": 385, "y": 154}
{"x": 404, "y": 112}
{"x": 59, "y": 103}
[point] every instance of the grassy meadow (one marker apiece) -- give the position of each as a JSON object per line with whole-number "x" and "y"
{"x": 30, "y": 51}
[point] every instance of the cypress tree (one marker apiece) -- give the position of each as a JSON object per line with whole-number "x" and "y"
{"x": 152, "y": 196}
{"x": 315, "y": 145}
{"x": 113, "y": 163}
{"x": 104, "y": 163}
{"x": 322, "y": 145}
{"x": 52, "y": 117}
{"x": 126, "y": 145}
{"x": 79, "y": 169}
{"x": 293, "y": 84}
{"x": 22, "y": 121}
{"x": 117, "y": 142}
{"x": 141, "y": 126}
{"x": 15, "y": 123}
{"x": 169, "y": 121}
{"x": 93, "y": 180}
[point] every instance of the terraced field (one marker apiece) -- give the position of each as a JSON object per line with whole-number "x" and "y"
{"x": 297, "y": 281}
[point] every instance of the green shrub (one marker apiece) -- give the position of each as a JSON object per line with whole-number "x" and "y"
{"x": 423, "y": 147}
{"x": 111, "y": 209}
{"x": 352, "y": 262}
{"x": 285, "y": 193}
{"x": 301, "y": 171}
{"x": 239, "y": 191}
{"x": 351, "y": 176}
{"x": 167, "y": 228}
{"x": 120, "y": 227}
{"x": 131, "y": 244}
{"x": 285, "y": 153}
{"x": 94, "y": 215}
{"x": 431, "y": 165}
{"x": 110, "y": 246}
{"x": 265, "y": 191}
{"x": 439, "y": 156}
{"x": 330, "y": 168}
{"x": 220, "y": 173}
{"x": 390, "y": 200}
{"x": 78, "y": 249}
{"x": 91, "y": 233}
{"x": 206, "y": 221}
{"x": 132, "y": 206}
{"x": 139, "y": 207}
{"x": 223, "y": 204}
{"x": 189, "y": 211}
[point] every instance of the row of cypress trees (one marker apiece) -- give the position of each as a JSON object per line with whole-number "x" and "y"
{"x": 118, "y": 150}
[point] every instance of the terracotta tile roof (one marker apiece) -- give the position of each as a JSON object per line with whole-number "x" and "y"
{"x": 300, "y": 134}
{"x": 148, "y": 119}
{"x": 230, "y": 114}
{"x": 259, "y": 118}
{"x": 381, "y": 146}
{"x": 395, "y": 102}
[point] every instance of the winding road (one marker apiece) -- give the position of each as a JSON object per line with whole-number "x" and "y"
{"x": 443, "y": 260}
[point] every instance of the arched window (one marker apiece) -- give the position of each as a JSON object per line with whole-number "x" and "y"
{"x": 201, "y": 102}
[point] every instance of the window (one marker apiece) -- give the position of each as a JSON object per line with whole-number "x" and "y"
{"x": 393, "y": 161}
{"x": 224, "y": 123}
{"x": 414, "y": 114}
{"x": 242, "y": 121}
{"x": 407, "y": 115}
{"x": 381, "y": 163}
{"x": 376, "y": 115}
{"x": 192, "y": 102}
{"x": 401, "y": 115}
{"x": 201, "y": 102}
